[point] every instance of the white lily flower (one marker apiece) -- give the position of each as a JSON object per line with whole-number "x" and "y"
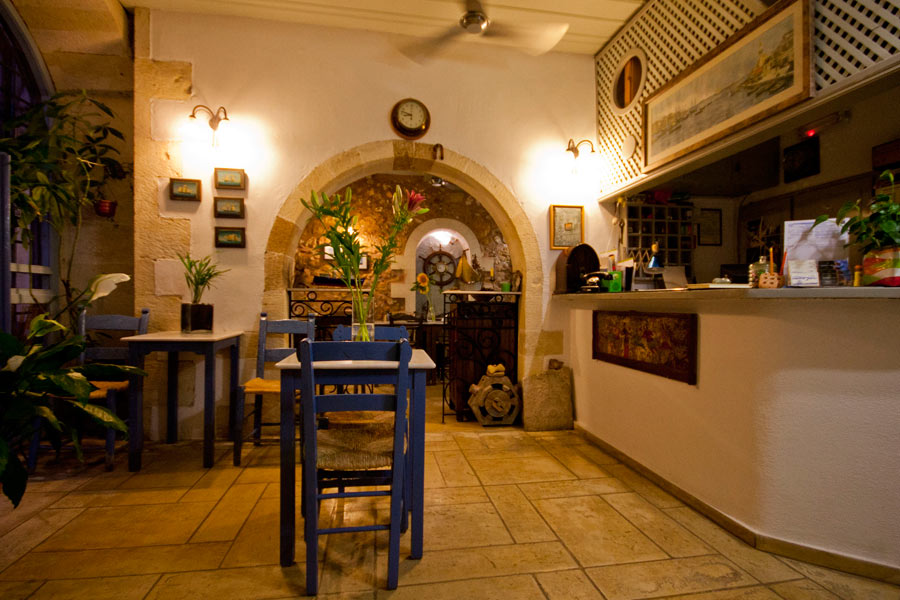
{"x": 104, "y": 284}
{"x": 14, "y": 363}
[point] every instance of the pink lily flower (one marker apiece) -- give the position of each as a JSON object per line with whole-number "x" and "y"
{"x": 413, "y": 201}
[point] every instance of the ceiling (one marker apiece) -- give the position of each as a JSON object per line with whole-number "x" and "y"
{"x": 591, "y": 22}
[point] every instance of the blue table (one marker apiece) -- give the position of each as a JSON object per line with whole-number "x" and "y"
{"x": 173, "y": 342}
{"x": 343, "y": 373}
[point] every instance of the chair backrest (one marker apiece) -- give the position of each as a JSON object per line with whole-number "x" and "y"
{"x": 383, "y": 333}
{"x": 293, "y": 327}
{"x": 313, "y": 353}
{"x": 123, "y": 324}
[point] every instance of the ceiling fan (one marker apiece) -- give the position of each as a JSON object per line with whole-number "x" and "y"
{"x": 531, "y": 38}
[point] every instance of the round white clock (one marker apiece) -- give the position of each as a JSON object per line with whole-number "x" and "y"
{"x": 410, "y": 119}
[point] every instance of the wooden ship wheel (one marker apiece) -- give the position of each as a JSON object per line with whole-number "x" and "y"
{"x": 440, "y": 267}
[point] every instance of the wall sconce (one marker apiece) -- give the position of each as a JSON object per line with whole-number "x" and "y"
{"x": 573, "y": 147}
{"x": 217, "y": 120}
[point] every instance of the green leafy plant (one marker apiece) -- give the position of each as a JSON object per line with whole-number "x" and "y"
{"x": 875, "y": 225}
{"x": 199, "y": 274}
{"x": 334, "y": 213}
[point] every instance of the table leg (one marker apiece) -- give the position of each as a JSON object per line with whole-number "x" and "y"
{"x": 209, "y": 407}
{"x": 417, "y": 447}
{"x": 288, "y": 466}
{"x": 172, "y": 399}
{"x": 233, "y": 382}
{"x": 135, "y": 413}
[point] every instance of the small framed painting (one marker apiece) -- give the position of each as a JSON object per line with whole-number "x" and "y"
{"x": 231, "y": 237}
{"x": 566, "y": 226}
{"x": 184, "y": 189}
{"x": 229, "y": 208}
{"x": 709, "y": 227}
{"x": 231, "y": 179}
{"x": 364, "y": 262}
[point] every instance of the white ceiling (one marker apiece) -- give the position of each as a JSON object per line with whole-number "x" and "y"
{"x": 591, "y": 22}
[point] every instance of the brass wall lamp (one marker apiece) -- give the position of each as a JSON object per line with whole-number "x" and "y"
{"x": 217, "y": 120}
{"x": 573, "y": 147}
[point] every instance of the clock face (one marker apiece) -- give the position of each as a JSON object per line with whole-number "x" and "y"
{"x": 410, "y": 118}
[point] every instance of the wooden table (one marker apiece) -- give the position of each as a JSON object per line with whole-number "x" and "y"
{"x": 343, "y": 373}
{"x": 173, "y": 342}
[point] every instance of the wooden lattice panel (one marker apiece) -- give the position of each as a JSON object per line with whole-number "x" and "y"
{"x": 849, "y": 36}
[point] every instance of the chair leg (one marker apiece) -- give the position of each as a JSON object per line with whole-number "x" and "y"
{"x": 310, "y": 508}
{"x": 31, "y": 462}
{"x": 398, "y": 514}
{"x": 237, "y": 421}
{"x": 111, "y": 404}
{"x": 257, "y": 419}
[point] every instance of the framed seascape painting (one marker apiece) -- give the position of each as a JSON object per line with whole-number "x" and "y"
{"x": 760, "y": 70}
{"x": 231, "y": 237}
{"x": 566, "y": 226}
{"x": 184, "y": 189}
{"x": 229, "y": 208}
{"x": 231, "y": 179}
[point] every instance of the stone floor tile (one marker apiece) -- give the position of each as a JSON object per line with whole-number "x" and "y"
{"x": 520, "y": 517}
{"x": 502, "y": 454}
{"x": 455, "y": 470}
{"x": 576, "y": 462}
{"x": 18, "y": 590}
{"x": 802, "y": 589}
{"x": 520, "y": 470}
{"x": 124, "y": 526}
{"x": 568, "y": 585}
{"x": 761, "y": 565}
{"x": 473, "y": 563}
{"x": 260, "y": 474}
{"x": 644, "y": 487}
{"x": 249, "y": 583}
{"x": 595, "y": 454}
{"x": 845, "y": 585}
{"x": 469, "y": 440}
{"x": 441, "y": 445}
{"x": 257, "y": 543}
{"x": 595, "y": 533}
{"x": 227, "y": 518}
{"x": 348, "y": 563}
{"x": 134, "y": 587}
{"x": 463, "y": 526}
{"x": 31, "y": 504}
{"x": 455, "y": 495}
{"x": 82, "y": 499}
{"x": 32, "y": 532}
{"x": 438, "y": 436}
{"x": 176, "y": 479}
{"x": 657, "y": 525}
{"x": 433, "y": 476}
{"x": 508, "y": 439}
{"x": 748, "y": 593}
{"x": 113, "y": 562}
{"x": 520, "y": 587}
{"x": 46, "y": 486}
{"x": 668, "y": 577}
{"x": 107, "y": 480}
{"x": 579, "y": 487}
{"x": 211, "y": 487}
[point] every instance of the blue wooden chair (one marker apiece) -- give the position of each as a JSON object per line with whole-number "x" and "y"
{"x": 346, "y": 458}
{"x": 259, "y": 386}
{"x": 91, "y": 327}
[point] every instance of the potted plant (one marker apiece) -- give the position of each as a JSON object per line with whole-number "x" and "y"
{"x": 875, "y": 230}
{"x": 199, "y": 274}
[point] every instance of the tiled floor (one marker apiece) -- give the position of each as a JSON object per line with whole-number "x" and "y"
{"x": 508, "y": 515}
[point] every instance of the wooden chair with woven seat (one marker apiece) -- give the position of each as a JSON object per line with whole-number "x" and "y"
{"x": 347, "y": 459}
{"x": 91, "y": 328}
{"x": 260, "y": 386}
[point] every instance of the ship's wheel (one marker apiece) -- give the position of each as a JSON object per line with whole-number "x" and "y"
{"x": 440, "y": 268}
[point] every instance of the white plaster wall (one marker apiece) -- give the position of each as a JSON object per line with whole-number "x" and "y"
{"x": 301, "y": 94}
{"x": 791, "y": 428}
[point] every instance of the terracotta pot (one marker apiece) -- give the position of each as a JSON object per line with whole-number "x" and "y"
{"x": 196, "y": 318}
{"x": 106, "y": 208}
{"x": 882, "y": 267}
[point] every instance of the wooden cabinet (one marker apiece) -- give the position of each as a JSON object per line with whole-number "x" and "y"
{"x": 669, "y": 225}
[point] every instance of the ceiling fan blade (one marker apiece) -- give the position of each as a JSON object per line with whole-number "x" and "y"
{"x": 533, "y": 39}
{"x": 423, "y": 49}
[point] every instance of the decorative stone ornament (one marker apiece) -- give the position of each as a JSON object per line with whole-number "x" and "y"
{"x": 494, "y": 399}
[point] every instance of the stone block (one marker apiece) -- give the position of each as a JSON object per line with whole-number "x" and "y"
{"x": 547, "y": 400}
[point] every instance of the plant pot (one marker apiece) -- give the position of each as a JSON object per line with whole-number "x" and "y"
{"x": 106, "y": 208}
{"x": 882, "y": 267}
{"x": 196, "y": 318}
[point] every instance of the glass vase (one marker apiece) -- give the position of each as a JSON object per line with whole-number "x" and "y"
{"x": 362, "y": 323}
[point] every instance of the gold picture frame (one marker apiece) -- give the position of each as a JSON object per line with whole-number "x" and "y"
{"x": 566, "y": 226}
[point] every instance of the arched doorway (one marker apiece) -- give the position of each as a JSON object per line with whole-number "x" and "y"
{"x": 387, "y": 156}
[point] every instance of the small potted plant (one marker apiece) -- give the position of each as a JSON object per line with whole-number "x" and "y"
{"x": 876, "y": 234}
{"x": 199, "y": 274}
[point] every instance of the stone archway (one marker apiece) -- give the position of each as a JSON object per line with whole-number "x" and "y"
{"x": 385, "y": 156}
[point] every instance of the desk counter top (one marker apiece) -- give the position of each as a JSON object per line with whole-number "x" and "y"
{"x": 178, "y": 336}
{"x": 830, "y": 293}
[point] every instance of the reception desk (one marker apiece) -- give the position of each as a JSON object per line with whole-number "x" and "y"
{"x": 791, "y": 435}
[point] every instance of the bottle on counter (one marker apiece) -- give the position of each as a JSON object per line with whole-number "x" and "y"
{"x": 857, "y": 276}
{"x": 757, "y": 268}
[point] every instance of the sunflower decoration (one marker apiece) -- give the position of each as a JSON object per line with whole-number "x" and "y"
{"x": 422, "y": 284}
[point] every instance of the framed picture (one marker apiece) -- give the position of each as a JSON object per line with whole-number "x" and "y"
{"x": 566, "y": 226}
{"x": 328, "y": 253}
{"x": 760, "y": 70}
{"x": 231, "y": 237}
{"x": 184, "y": 189}
{"x": 229, "y": 208}
{"x": 709, "y": 227}
{"x": 364, "y": 262}
{"x": 231, "y": 179}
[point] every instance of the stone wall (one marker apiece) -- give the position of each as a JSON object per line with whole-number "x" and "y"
{"x": 372, "y": 203}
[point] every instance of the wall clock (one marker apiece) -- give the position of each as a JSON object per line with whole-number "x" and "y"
{"x": 410, "y": 119}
